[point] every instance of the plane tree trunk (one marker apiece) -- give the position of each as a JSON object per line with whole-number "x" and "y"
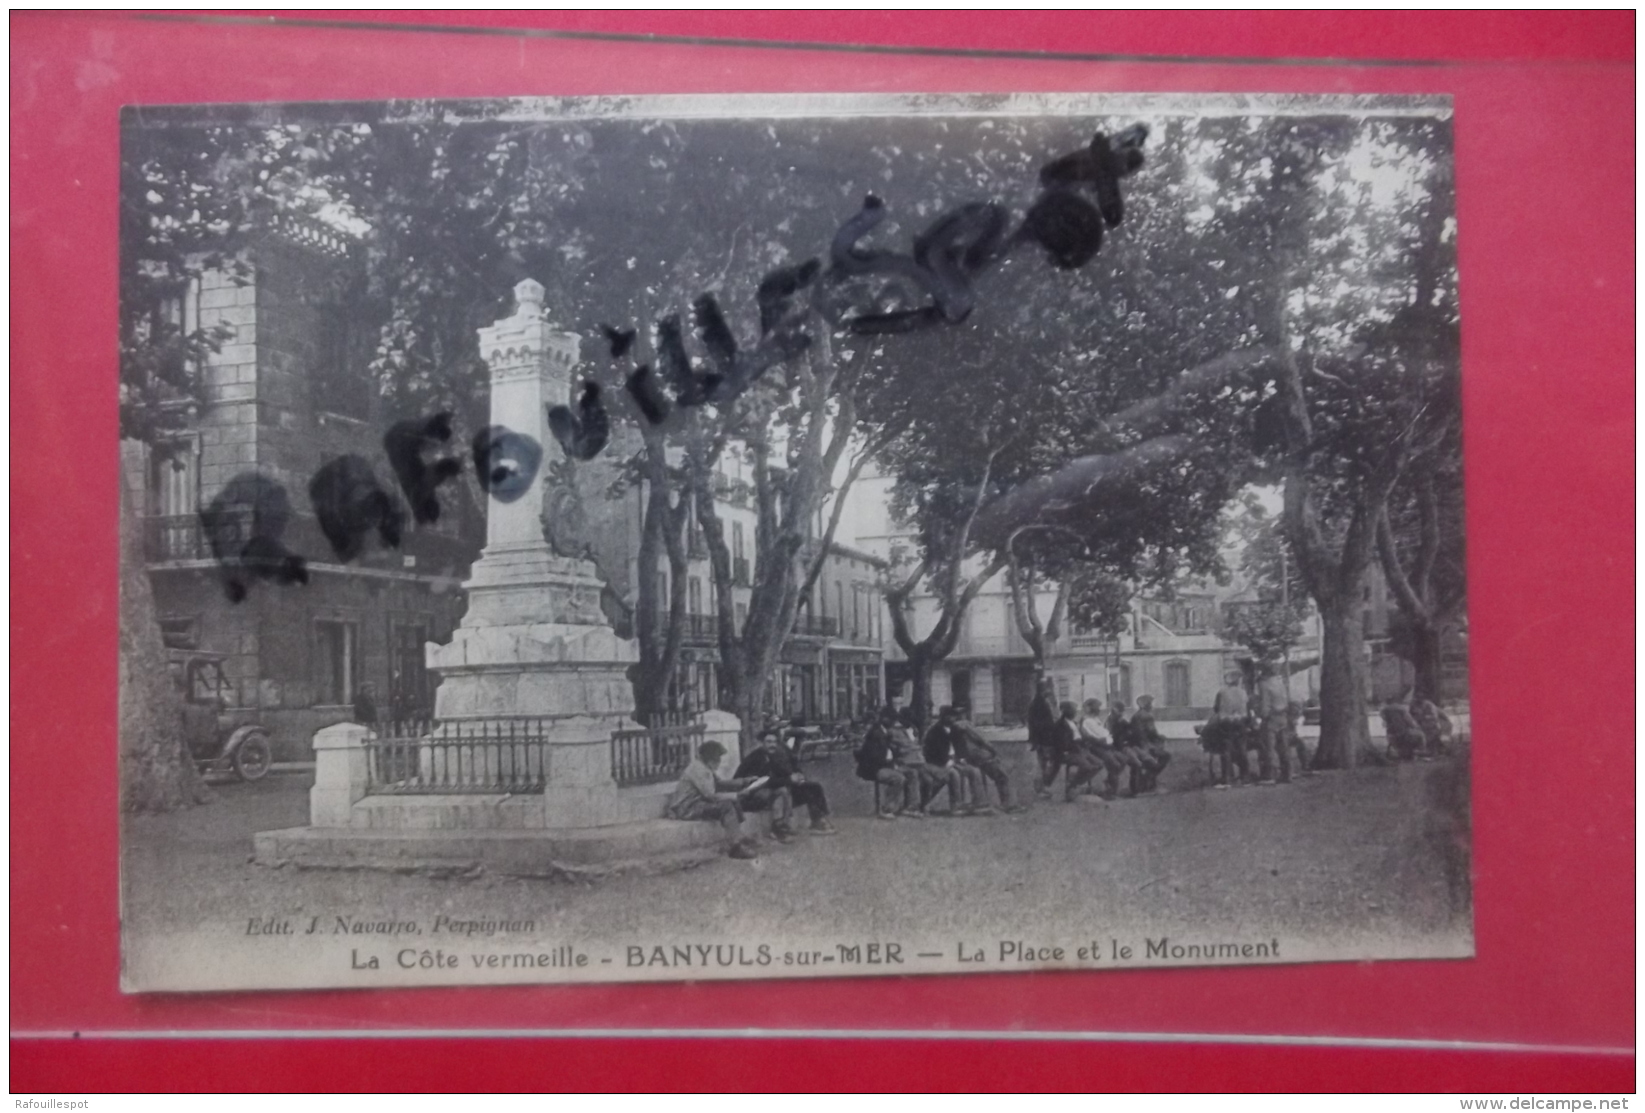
{"x": 156, "y": 771}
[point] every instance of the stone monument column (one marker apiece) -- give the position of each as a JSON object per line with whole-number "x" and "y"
{"x": 534, "y": 641}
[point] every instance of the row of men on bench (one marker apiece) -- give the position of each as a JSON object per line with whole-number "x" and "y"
{"x": 951, "y": 757}
{"x": 1085, "y": 743}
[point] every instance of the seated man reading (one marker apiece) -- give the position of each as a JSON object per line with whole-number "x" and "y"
{"x": 703, "y": 794}
{"x": 772, "y": 760}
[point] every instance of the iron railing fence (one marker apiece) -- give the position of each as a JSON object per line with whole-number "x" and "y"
{"x": 510, "y": 755}
{"x": 669, "y": 717}
{"x": 654, "y": 754}
{"x": 490, "y": 756}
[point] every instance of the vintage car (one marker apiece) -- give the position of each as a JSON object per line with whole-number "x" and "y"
{"x": 221, "y": 738}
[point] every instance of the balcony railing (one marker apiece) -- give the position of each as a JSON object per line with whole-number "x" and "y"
{"x": 701, "y": 627}
{"x": 816, "y": 626}
{"x": 186, "y": 537}
{"x": 183, "y": 537}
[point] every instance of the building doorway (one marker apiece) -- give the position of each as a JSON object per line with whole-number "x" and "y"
{"x": 1177, "y": 691}
{"x": 959, "y": 687}
{"x": 1016, "y": 689}
{"x": 410, "y": 696}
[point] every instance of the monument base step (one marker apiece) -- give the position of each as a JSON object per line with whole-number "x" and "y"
{"x": 649, "y": 846}
{"x": 476, "y": 812}
{"x": 462, "y": 813}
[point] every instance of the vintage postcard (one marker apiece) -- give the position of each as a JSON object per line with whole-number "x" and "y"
{"x": 708, "y": 537}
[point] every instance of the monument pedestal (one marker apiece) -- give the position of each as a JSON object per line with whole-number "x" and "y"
{"x": 533, "y": 642}
{"x": 535, "y": 652}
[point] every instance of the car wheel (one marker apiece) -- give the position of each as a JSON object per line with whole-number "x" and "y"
{"x": 252, "y": 759}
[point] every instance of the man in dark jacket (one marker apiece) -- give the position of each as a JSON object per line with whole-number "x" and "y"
{"x": 1128, "y": 745}
{"x": 906, "y": 752}
{"x": 365, "y": 705}
{"x": 1224, "y": 737}
{"x": 772, "y": 759}
{"x": 877, "y": 762}
{"x": 1082, "y": 766}
{"x": 976, "y": 751}
{"x": 945, "y": 749}
{"x": 1042, "y": 736}
{"x": 1405, "y": 737}
{"x": 1150, "y": 740}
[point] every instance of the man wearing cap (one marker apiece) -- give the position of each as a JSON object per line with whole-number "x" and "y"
{"x": 773, "y": 760}
{"x": 877, "y": 762}
{"x": 703, "y": 794}
{"x": 1129, "y": 748}
{"x": 1272, "y": 702}
{"x": 1150, "y": 741}
{"x": 1082, "y": 766}
{"x": 976, "y": 751}
{"x": 945, "y": 749}
{"x": 1225, "y": 734}
{"x": 906, "y": 752}
{"x": 1094, "y": 737}
{"x": 1042, "y": 735}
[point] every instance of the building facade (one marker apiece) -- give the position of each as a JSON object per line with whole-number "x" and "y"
{"x": 284, "y": 395}
{"x": 1169, "y": 650}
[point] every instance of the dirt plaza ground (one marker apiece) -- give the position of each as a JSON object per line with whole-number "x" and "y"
{"x": 1373, "y": 854}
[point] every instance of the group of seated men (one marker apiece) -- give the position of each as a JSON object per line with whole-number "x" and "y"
{"x": 1086, "y": 744}
{"x": 911, "y": 774}
{"x": 952, "y": 757}
{"x": 1420, "y": 732}
{"x": 768, "y": 779}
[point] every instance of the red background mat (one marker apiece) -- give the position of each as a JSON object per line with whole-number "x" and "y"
{"x": 1545, "y": 157}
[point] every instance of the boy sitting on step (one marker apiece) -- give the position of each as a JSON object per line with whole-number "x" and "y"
{"x": 703, "y": 794}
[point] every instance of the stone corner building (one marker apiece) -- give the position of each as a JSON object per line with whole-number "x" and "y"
{"x": 283, "y": 396}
